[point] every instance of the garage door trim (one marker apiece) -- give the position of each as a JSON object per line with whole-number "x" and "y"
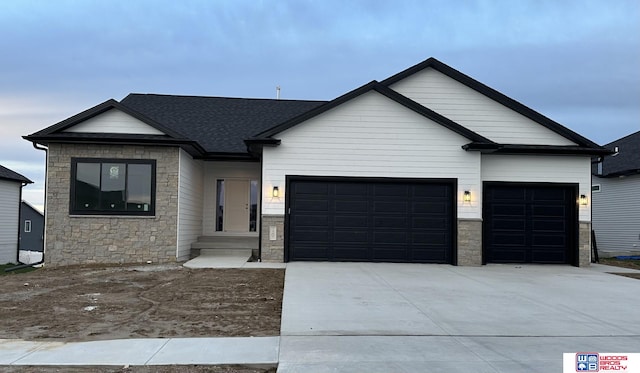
{"x": 575, "y": 224}
{"x": 450, "y": 181}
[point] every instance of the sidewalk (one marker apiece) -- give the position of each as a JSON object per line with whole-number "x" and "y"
{"x": 251, "y": 351}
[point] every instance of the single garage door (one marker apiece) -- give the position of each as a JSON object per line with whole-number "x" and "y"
{"x": 529, "y": 223}
{"x": 370, "y": 220}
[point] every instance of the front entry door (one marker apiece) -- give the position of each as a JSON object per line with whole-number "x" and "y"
{"x": 236, "y": 201}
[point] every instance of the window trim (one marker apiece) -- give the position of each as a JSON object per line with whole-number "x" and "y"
{"x": 27, "y": 226}
{"x": 596, "y": 188}
{"x": 72, "y": 188}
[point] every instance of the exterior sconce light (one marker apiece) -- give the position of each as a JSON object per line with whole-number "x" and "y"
{"x": 467, "y": 196}
{"x": 583, "y": 200}
{"x": 275, "y": 193}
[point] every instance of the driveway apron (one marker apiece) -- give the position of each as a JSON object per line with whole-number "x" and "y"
{"x": 408, "y": 317}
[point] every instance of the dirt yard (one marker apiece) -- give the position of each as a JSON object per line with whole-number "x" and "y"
{"x": 83, "y": 304}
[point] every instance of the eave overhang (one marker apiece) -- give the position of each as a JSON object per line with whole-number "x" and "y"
{"x": 495, "y": 148}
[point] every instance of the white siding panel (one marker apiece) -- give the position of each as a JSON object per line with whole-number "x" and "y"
{"x": 474, "y": 110}
{"x": 224, "y": 170}
{"x": 9, "y": 210}
{"x": 616, "y": 213}
{"x": 114, "y": 121}
{"x": 190, "y": 203}
{"x": 371, "y": 136}
{"x": 541, "y": 169}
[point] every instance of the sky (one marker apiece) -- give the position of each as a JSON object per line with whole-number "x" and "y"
{"x": 577, "y": 62}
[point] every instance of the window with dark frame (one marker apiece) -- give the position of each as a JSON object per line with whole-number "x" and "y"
{"x": 112, "y": 187}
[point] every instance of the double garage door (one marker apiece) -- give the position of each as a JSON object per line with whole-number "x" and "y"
{"x": 400, "y": 220}
{"x": 370, "y": 220}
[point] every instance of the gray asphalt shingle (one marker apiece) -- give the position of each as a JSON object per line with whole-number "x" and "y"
{"x": 218, "y": 124}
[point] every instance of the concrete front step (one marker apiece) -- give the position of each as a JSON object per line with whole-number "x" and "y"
{"x": 225, "y": 242}
{"x": 226, "y": 252}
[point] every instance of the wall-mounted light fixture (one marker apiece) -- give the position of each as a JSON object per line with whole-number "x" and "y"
{"x": 275, "y": 193}
{"x": 467, "y": 196}
{"x": 583, "y": 200}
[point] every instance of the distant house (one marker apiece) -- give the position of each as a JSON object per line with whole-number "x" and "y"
{"x": 31, "y": 228}
{"x": 616, "y": 186}
{"x": 426, "y": 166}
{"x": 11, "y": 184}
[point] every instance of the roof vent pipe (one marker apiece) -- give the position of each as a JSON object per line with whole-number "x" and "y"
{"x": 277, "y": 92}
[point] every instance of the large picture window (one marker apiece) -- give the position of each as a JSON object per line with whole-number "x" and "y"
{"x": 112, "y": 187}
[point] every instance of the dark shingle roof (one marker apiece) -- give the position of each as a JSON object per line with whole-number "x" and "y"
{"x": 7, "y": 174}
{"x": 218, "y": 124}
{"x": 626, "y": 161}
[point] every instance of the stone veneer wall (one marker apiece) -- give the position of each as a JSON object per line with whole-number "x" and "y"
{"x": 584, "y": 244}
{"x": 273, "y": 251}
{"x": 469, "y": 242}
{"x": 110, "y": 239}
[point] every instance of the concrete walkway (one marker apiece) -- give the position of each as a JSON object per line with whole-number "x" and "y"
{"x": 352, "y": 317}
{"x": 258, "y": 351}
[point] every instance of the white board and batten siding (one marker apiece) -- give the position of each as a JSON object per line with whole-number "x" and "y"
{"x": 9, "y": 213}
{"x": 474, "y": 110}
{"x": 214, "y": 171}
{"x": 616, "y": 213}
{"x": 114, "y": 121}
{"x": 541, "y": 169}
{"x": 190, "y": 203}
{"x": 370, "y": 136}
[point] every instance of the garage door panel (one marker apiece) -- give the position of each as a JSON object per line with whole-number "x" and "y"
{"x": 312, "y": 252}
{"x": 434, "y": 191}
{"x": 389, "y": 237}
{"x": 508, "y": 224}
{"x": 350, "y": 222}
{"x": 532, "y": 223}
{"x": 351, "y": 207}
{"x": 351, "y": 190}
{"x": 435, "y": 238}
{"x": 390, "y": 222}
{"x": 350, "y": 236}
{"x": 316, "y": 221}
{"x": 314, "y": 236}
{"x": 310, "y": 188}
{"x": 429, "y": 223}
{"x": 436, "y": 207}
{"x": 307, "y": 205}
{"x": 396, "y": 191}
{"x": 508, "y": 209}
{"x": 390, "y": 207}
{"x": 348, "y": 253}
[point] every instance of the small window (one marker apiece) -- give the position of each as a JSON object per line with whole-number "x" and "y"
{"x": 595, "y": 188}
{"x": 27, "y": 226}
{"x": 112, "y": 187}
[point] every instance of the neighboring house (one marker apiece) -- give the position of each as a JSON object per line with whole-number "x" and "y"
{"x": 428, "y": 165}
{"x": 11, "y": 184}
{"x": 616, "y": 185}
{"x": 31, "y": 228}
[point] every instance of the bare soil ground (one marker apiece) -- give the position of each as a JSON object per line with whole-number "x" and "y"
{"x": 83, "y": 304}
{"x": 633, "y": 264}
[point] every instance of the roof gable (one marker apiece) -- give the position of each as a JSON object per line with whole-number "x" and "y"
{"x": 114, "y": 121}
{"x": 494, "y": 95}
{"x": 385, "y": 91}
{"x": 77, "y": 120}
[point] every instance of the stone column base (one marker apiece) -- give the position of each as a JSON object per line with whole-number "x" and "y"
{"x": 272, "y": 250}
{"x": 469, "y": 242}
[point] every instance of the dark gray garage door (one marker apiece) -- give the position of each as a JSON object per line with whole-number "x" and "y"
{"x": 529, "y": 223}
{"x": 367, "y": 220}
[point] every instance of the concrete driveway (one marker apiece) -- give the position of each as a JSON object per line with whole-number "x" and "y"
{"x": 383, "y": 317}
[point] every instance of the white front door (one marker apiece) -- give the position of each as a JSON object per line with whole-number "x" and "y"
{"x": 236, "y": 202}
